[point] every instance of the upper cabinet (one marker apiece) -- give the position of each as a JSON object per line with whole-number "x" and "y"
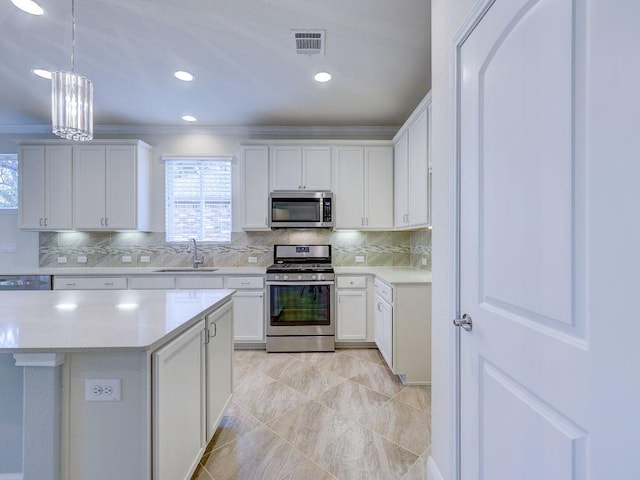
{"x": 255, "y": 175}
{"x": 363, "y": 187}
{"x": 112, "y": 186}
{"x": 300, "y": 167}
{"x": 412, "y": 170}
{"x": 45, "y": 187}
{"x": 100, "y": 185}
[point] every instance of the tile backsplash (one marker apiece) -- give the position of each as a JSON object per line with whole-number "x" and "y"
{"x": 107, "y": 249}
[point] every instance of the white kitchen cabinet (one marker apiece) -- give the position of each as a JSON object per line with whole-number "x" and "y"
{"x": 45, "y": 188}
{"x": 159, "y": 282}
{"x": 89, "y": 283}
{"x": 112, "y": 186}
{"x": 179, "y": 405}
{"x": 363, "y": 187}
{"x": 193, "y": 281}
{"x": 351, "y": 319}
{"x": 255, "y": 175}
{"x": 412, "y": 190}
{"x": 300, "y": 167}
{"x": 219, "y": 370}
{"x": 383, "y": 322}
{"x": 402, "y": 329}
{"x": 248, "y": 308}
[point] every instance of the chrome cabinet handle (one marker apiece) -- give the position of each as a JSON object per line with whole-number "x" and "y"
{"x": 465, "y": 322}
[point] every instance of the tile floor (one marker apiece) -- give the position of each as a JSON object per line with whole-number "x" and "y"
{"x": 319, "y": 416}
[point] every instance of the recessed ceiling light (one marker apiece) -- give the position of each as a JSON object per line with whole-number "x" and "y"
{"x": 42, "y": 73}
{"x": 189, "y": 118}
{"x": 28, "y": 6}
{"x": 184, "y": 76}
{"x": 322, "y": 77}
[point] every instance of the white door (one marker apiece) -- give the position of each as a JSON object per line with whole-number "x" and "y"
{"x": 524, "y": 378}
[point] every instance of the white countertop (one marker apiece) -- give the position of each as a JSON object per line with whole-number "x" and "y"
{"x": 138, "y": 320}
{"x": 392, "y": 275}
{"x": 133, "y": 271}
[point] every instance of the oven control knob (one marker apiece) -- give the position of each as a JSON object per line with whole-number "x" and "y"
{"x": 299, "y": 277}
{"x": 314, "y": 277}
{"x": 277, "y": 277}
{"x": 285, "y": 277}
{"x": 321, "y": 277}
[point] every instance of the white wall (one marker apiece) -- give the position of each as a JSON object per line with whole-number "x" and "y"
{"x": 447, "y": 16}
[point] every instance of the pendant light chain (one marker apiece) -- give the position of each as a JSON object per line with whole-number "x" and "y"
{"x": 72, "y": 98}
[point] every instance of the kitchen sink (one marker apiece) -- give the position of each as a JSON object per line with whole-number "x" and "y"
{"x": 185, "y": 270}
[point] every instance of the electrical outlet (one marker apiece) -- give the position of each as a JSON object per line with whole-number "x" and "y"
{"x": 102, "y": 390}
{"x": 145, "y": 259}
{"x": 126, "y": 259}
{"x": 82, "y": 259}
{"x": 424, "y": 260}
{"x": 62, "y": 259}
{"x": 253, "y": 259}
{"x": 359, "y": 258}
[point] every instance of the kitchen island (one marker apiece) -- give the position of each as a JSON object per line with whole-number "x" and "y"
{"x": 126, "y": 384}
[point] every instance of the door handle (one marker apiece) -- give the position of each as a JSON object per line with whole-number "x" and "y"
{"x": 464, "y": 322}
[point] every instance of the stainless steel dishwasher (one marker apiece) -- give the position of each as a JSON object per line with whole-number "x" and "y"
{"x": 25, "y": 282}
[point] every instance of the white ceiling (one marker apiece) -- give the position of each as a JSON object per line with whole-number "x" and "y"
{"x": 240, "y": 51}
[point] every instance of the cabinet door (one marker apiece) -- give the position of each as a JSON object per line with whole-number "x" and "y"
{"x": 255, "y": 172}
{"x": 401, "y": 182}
{"x": 352, "y": 315}
{"x": 383, "y": 329}
{"x": 349, "y": 185}
{"x": 219, "y": 366}
{"x": 379, "y": 188}
{"x": 58, "y": 187}
{"x": 286, "y": 168}
{"x": 178, "y": 403}
{"x": 248, "y": 316}
{"x": 316, "y": 168}
{"x": 121, "y": 183}
{"x": 31, "y": 184}
{"x": 418, "y": 172}
{"x": 89, "y": 186}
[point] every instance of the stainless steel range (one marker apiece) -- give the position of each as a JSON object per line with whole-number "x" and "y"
{"x": 300, "y": 299}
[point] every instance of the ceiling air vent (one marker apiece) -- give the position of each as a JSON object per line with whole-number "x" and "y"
{"x": 309, "y": 42}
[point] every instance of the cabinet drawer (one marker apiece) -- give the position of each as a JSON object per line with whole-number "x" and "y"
{"x": 89, "y": 283}
{"x": 384, "y": 290}
{"x": 189, "y": 281}
{"x": 151, "y": 283}
{"x": 351, "y": 282}
{"x": 244, "y": 282}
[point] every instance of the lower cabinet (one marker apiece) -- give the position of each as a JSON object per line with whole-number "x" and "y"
{"x": 383, "y": 329}
{"x": 192, "y": 384}
{"x": 402, "y": 329}
{"x": 178, "y": 395}
{"x": 219, "y": 358}
{"x": 351, "y": 323}
{"x": 248, "y": 308}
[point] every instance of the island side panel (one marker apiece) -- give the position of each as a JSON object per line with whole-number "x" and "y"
{"x": 109, "y": 439}
{"x": 11, "y": 398}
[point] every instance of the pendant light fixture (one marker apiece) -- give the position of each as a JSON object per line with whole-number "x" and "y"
{"x": 72, "y": 98}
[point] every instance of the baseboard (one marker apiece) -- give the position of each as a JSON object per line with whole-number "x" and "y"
{"x": 433, "y": 473}
{"x": 11, "y": 476}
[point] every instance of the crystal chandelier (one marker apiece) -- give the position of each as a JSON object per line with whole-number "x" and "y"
{"x": 72, "y": 98}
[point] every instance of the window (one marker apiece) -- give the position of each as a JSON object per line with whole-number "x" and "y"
{"x": 8, "y": 182}
{"x": 198, "y": 199}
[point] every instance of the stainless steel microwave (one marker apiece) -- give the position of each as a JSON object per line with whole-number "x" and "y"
{"x": 301, "y": 210}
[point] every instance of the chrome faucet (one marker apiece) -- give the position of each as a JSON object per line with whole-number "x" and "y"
{"x": 193, "y": 248}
